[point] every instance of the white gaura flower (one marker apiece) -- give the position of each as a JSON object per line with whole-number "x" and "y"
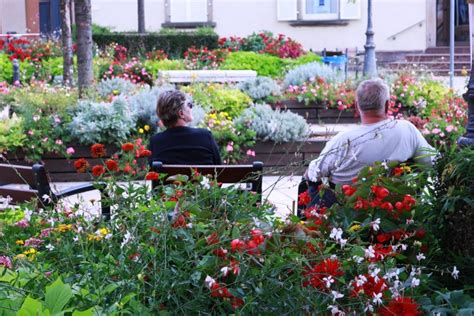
{"x": 415, "y": 282}
{"x": 357, "y": 259}
{"x": 336, "y": 295}
{"x": 420, "y": 256}
{"x": 225, "y": 271}
{"x": 51, "y": 221}
{"x": 370, "y": 252}
{"x": 27, "y": 214}
{"x": 209, "y": 281}
{"x": 205, "y": 183}
{"x": 336, "y": 233}
{"x": 50, "y": 247}
{"x": 377, "y": 300}
{"x": 126, "y": 239}
{"x": 335, "y": 310}
{"x": 375, "y": 224}
{"x": 328, "y": 280}
{"x": 47, "y": 198}
{"x": 455, "y": 273}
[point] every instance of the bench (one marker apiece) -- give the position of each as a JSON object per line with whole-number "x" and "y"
{"x": 36, "y": 178}
{"x": 222, "y": 76}
{"x": 251, "y": 174}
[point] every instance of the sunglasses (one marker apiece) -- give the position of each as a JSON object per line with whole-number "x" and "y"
{"x": 189, "y": 104}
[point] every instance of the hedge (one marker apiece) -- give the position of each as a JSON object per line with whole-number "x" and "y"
{"x": 173, "y": 44}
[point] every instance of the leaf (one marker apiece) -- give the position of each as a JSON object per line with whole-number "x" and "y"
{"x": 89, "y": 312}
{"x": 57, "y": 296}
{"x": 465, "y": 312}
{"x": 31, "y": 307}
{"x": 110, "y": 288}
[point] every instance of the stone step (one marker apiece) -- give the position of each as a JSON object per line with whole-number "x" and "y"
{"x": 416, "y": 58}
{"x": 445, "y": 50}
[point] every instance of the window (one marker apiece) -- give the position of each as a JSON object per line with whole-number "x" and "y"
{"x": 318, "y": 10}
{"x": 188, "y": 13}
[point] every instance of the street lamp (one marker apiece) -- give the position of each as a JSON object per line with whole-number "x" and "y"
{"x": 370, "y": 65}
{"x": 468, "y": 138}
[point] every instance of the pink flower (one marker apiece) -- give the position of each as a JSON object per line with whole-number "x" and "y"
{"x": 30, "y": 132}
{"x": 23, "y": 223}
{"x": 33, "y": 242}
{"x": 59, "y": 142}
{"x": 449, "y": 128}
{"x": 6, "y": 262}
{"x": 250, "y": 153}
{"x": 230, "y": 146}
{"x": 70, "y": 151}
{"x": 435, "y": 131}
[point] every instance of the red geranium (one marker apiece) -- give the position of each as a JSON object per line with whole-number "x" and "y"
{"x": 304, "y": 198}
{"x": 405, "y": 306}
{"x": 98, "y": 151}
{"x": 324, "y": 269}
{"x": 127, "y": 147}
{"x": 112, "y": 165}
{"x": 152, "y": 176}
{"x": 81, "y": 165}
{"x": 348, "y": 190}
{"x": 98, "y": 170}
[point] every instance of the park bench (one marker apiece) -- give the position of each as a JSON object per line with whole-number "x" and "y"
{"x": 23, "y": 183}
{"x": 221, "y": 76}
{"x": 232, "y": 174}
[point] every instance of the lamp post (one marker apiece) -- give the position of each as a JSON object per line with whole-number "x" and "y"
{"x": 370, "y": 65}
{"x": 468, "y": 138}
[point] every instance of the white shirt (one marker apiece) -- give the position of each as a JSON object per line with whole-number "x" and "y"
{"x": 348, "y": 152}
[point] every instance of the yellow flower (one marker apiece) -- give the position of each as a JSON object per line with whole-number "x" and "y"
{"x": 302, "y": 222}
{"x": 93, "y": 237}
{"x": 20, "y": 257}
{"x": 407, "y": 169}
{"x": 19, "y": 242}
{"x": 103, "y": 231}
{"x": 62, "y": 228}
{"x": 464, "y": 71}
{"x": 30, "y": 251}
{"x": 146, "y": 127}
{"x": 141, "y": 131}
{"x": 115, "y": 92}
{"x": 354, "y": 228}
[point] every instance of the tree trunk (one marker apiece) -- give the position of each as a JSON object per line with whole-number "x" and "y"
{"x": 141, "y": 16}
{"x": 84, "y": 44}
{"x": 66, "y": 41}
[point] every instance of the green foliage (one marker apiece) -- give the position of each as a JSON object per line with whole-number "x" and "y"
{"x": 265, "y": 65}
{"x": 307, "y": 58}
{"x": 12, "y": 135}
{"x": 109, "y": 123}
{"x": 115, "y": 86}
{"x": 311, "y": 71}
{"x": 174, "y": 44}
{"x": 219, "y": 98}
{"x": 274, "y": 125}
{"x": 450, "y": 303}
{"x": 153, "y": 66}
{"x": 261, "y": 89}
{"x": 6, "y": 68}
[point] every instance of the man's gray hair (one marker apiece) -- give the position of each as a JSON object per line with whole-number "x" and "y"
{"x": 372, "y": 94}
{"x": 168, "y": 106}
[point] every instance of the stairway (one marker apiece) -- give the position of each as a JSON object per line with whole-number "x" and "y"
{"x": 435, "y": 60}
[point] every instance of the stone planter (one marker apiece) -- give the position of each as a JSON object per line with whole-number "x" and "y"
{"x": 278, "y": 158}
{"x": 316, "y": 113}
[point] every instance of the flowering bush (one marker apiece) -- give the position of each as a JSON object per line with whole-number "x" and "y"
{"x": 158, "y": 54}
{"x": 318, "y": 90}
{"x": 202, "y": 58}
{"x": 133, "y": 70}
{"x": 232, "y": 43}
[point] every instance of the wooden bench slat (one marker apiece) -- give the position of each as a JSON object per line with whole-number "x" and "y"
{"x": 14, "y": 174}
{"x": 17, "y": 195}
{"x": 225, "y": 174}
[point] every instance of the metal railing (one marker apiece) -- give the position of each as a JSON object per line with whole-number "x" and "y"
{"x": 394, "y": 36}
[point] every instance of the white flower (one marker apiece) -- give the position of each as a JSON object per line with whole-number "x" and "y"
{"x": 225, "y": 271}
{"x": 369, "y": 308}
{"x": 50, "y": 247}
{"x": 360, "y": 280}
{"x": 27, "y": 214}
{"x": 415, "y": 282}
{"x": 75, "y": 239}
{"x": 126, "y": 239}
{"x": 370, "y": 252}
{"x": 47, "y": 198}
{"x": 51, "y": 221}
{"x": 209, "y": 281}
{"x": 335, "y": 310}
{"x": 108, "y": 236}
{"x": 205, "y": 183}
{"x": 375, "y": 274}
{"x": 328, "y": 280}
{"x": 336, "y": 295}
{"x": 357, "y": 259}
{"x": 336, "y": 233}
{"x": 455, "y": 273}
{"x": 420, "y": 257}
{"x": 189, "y": 225}
{"x": 377, "y": 300}
{"x": 375, "y": 224}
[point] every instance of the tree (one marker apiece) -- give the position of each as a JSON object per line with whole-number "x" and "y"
{"x": 84, "y": 44}
{"x": 141, "y": 16}
{"x": 66, "y": 41}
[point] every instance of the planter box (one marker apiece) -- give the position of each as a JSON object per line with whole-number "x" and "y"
{"x": 285, "y": 158}
{"x": 318, "y": 113}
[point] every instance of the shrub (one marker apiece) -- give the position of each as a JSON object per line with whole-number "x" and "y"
{"x": 6, "y": 68}
{"x": 274, "y": 125}
{"x": 11, "y": 134}
{"x": 109, "y": 123}
{"x": 219, "y": 98}
{"x": 158, "y": 54}
{"x": 114, "y": 86}
{"x": 304, "y": 73}
{"x": 133, "y": 70}
{"x": 261, "y": 88}
{"x": 153, "y": 67}
{"x": 202, "y": 58}
{"x": 307, "y": 58}
{"x": 174, "y": 45}
{"x": 264, "y": 64}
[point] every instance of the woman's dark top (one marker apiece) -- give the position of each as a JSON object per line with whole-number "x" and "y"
{"x": 185, "y": 146}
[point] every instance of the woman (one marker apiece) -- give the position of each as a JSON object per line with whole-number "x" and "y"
{"x": 180, "y": 144}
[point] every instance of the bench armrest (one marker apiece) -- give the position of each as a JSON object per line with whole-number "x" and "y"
{"x": 80, "y": 189}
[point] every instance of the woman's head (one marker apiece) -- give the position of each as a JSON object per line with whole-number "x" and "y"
{"x": 174, "y": 109}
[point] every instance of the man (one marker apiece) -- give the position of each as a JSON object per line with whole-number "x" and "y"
{"x": 378, "y": 138}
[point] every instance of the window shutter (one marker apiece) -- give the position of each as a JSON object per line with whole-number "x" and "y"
{"x": 188, "y": 11}
{"x": 350, "y": 9}
{"x": 287, "y": 10}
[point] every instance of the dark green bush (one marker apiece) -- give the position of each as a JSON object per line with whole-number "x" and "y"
{"x": 174, "y": 44}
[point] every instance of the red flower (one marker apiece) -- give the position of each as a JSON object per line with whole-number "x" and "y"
{"x": 81, "y": 165}
{"x": 348, "y": 190}
{"x": 403, "y": 306}
{"x": 361, "y": 204}
{"x": 144, "y": 153}
{"x": 236, "y": 302}
{"x": 397, "y": 171}
{"x": 180, "y": 222}
{"x": 380, "y": 192}
{"x": 369, "y": 287}
{"x": 324, "y": 269}
{"x": 212, "y": 239}
{"x": 98, "y": 170}
{"x": 98, "y": 151}
{"x": 112, "y": 165}
{"x": 128, "y": 169}
{"x": 304, "y": 198}
{"x": 152, "y": 176}
{"x": 237, "y": 245}
{"x": 127, "y": 147}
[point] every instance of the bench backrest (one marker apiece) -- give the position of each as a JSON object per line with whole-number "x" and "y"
{"x": 33, "y": 176}
{"x": 222, "y": 173}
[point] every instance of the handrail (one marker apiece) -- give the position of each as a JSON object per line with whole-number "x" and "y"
{"x": 394, "y": 36}
{"x": 16, "y": 35}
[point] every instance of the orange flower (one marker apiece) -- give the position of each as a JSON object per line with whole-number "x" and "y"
{"x": 81, "y": 165}
{"x": 127, "y": 147}
{"x": 98, "y": 151}
{"x": 112, "y": 165}
{"x": 152, "y": 176}
{"x": 98, "y": 170}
